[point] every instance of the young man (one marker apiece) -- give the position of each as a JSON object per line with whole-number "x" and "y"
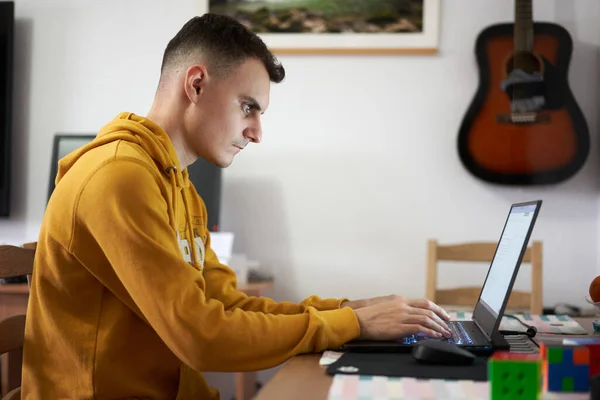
{"x": 128, "y": 300}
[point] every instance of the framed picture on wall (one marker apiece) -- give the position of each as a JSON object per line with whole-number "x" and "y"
{"x": 338, "y": 26}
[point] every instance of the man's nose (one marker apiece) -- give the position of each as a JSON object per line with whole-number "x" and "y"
{"x": 254, "y": 132}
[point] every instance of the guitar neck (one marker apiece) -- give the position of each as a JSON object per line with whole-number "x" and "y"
{"x": 523, "y": 38}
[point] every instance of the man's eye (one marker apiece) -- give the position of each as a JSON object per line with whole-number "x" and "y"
{"x": 247, "y": 108}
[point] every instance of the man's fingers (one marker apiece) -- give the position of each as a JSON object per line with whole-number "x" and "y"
{"x": 430, "y": 314}
{"x": 429, "y": 305}
{"x": 415, "y": 329}
{"x": 427, "y": 322}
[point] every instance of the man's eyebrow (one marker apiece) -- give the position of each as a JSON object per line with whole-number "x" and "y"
{"x": 253, "y": 103}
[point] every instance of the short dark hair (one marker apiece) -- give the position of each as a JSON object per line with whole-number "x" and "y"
{"x": 224, "y": 43}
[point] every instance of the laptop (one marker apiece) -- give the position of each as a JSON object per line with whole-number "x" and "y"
{"x": 480, "y": 335}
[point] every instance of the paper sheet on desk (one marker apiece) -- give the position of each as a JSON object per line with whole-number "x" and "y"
{"x": 356, "y": 387}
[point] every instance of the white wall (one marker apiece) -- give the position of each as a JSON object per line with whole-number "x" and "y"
{"x": 77, "y": 64}
{"x": 358, "y": 166}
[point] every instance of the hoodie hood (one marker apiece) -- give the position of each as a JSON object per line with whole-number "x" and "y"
{"x": 136, "y": 129}
{"x": 156, "y": 143}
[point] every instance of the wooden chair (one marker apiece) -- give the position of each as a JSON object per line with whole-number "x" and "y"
{"x": 14, "y": 262}
{"x": 482, "y": 252}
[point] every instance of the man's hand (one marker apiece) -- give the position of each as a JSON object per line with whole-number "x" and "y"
{"x": 392, "y": 319}
{"x": 356, "y": 304}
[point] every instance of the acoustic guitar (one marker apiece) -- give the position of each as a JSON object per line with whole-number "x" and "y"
{"x": 524, "y": 126}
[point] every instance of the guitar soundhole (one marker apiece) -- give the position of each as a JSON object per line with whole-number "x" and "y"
{"x": 525, "y": 61}
{"x": 525, "y": 86}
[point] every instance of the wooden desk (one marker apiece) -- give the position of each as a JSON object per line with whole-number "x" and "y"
{"x": 13, "y": 301}
{"x": 303, "y": 378}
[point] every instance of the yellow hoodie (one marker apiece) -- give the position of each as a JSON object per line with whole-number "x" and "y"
{"x": 125, "y": 305}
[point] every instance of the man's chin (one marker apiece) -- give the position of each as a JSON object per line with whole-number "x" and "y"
{"x": 223, "y": 162}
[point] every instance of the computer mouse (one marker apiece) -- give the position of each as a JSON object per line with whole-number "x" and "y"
{"x": 441, "y": 352}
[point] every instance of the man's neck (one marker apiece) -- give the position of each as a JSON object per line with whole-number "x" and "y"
{"x": 184, "y": 156}
{"x": 170, "y": 126}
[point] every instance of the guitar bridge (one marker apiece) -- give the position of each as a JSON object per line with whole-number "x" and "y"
{"x": 523, "y": 118}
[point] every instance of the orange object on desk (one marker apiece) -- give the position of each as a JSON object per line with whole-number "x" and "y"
{"x": 595, "y": 289}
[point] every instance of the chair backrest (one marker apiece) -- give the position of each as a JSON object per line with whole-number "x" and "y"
{"x": 482, "y": 252}
{"x": 14, "y": 262}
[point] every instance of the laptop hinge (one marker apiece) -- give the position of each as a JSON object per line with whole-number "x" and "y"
{"x": 489, "y": 338}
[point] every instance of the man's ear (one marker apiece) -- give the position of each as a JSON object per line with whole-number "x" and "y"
{"x": 195, "y": 82}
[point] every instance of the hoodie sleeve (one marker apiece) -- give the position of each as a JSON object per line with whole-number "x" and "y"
{"x": 221, "y": 284}
{"x": 123, "y": 214}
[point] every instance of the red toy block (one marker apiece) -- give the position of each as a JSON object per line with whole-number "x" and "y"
{"x": 507, "y": 355}
{"x": 594, "y": 358}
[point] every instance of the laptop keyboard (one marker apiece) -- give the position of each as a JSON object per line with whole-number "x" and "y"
{"x": 459, "y": 335}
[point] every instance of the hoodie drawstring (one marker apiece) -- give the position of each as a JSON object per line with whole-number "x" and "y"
{"x": 190, "y": 230}
{"x": 172, "y": 171}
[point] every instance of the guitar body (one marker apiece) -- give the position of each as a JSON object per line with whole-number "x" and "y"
{"x": 514, "y": 153}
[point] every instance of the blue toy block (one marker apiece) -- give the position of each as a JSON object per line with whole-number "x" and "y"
{"x": 565, "y": 368}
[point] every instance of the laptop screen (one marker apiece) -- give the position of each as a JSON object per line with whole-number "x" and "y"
{"x": 505, "y": 264}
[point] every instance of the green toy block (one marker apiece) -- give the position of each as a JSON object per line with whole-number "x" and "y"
{"x": 515, "y": 376}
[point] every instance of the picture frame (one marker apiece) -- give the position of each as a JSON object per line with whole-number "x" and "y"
{"x": 425, "y": 41}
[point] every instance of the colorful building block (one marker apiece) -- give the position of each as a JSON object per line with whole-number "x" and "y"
{"x": 515, "y": 376}
{"x": 565, "y": 368}
{"x": 594, "y": 349}
{"x": 593, "y": 344}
